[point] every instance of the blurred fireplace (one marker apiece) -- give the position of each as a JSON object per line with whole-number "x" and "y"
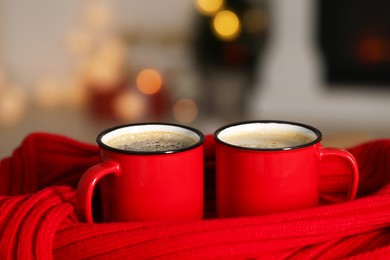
{"x": 354, "y": 37}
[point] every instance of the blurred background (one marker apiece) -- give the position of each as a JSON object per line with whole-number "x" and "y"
{"x": 77, "y": 67}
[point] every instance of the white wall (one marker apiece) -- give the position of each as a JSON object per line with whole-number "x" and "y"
{"x": 32, "y": 35}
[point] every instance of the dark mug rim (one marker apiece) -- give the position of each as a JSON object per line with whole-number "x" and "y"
{"x": 117, "y": 150}
{"x": 309, "y": 127}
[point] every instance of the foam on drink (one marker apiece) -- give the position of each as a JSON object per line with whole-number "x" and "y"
{"x": 267, "y": 135}
{"x": 274, "y": 139}
{"x": 153, "y": 141}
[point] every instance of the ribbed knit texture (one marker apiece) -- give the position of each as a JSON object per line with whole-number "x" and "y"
{"x": 38, "y": 219}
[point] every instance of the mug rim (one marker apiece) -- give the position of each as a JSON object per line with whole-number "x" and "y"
{"x": 309, "y": 127}
{"x": 117, "y": 150}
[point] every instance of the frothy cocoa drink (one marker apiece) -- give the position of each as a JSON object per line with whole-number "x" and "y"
{"x": 158, "y": 141}
{"x": 268, "y": 140}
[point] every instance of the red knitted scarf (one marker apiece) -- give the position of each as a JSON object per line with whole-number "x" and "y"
{"x": 38, "y": 220}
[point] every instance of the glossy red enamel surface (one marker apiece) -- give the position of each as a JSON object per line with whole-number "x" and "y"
{"x": 141, "y": 186}
{"x": 154, "y": 187}
{"x": 259, "y": 181}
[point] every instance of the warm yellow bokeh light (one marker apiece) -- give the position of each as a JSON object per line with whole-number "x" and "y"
{"x": 102, "y": 75}
{"x": 98, "y": 16}
{"x": 129, "y": 106}
{"x": 49, "y": 93}
{"x": 13, "y": 106}
{"x": 149, "y": 81}
{"x": 185, "y": 110}
{"x": 76, "y": 93}
{"x": 209, "y": 7}
{"x": 79, "y": 42}
{"x": 226, "y": 25}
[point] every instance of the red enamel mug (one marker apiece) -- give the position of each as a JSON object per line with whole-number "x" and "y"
{"x": 160, "y": 178}
{"x": 271, "y": 166}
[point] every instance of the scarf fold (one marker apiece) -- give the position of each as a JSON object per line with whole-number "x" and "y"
{"x": 38, "y": 219}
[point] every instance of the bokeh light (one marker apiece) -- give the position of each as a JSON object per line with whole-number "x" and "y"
{"x": 226, "y": 25}
{"x": 48, "y": 93}
{"x": 13, "y": 106}
{"x": 373, "y": 50}
{"x": 149, "y": 81}
{"x": 102, "y": 75}
{"x": 98, "y": 15}
{"x": 76, "y": 93}
{"x": 112, "y": 52}
{"x": 129, "y": 106}
{"x": 209, "y": 7}
{"x": 185, "y": 110}
{"x": 79, "y": 42}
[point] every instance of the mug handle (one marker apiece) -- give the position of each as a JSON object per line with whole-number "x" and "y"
{"x": 347, "y": 156}
{"x": 87, "y": 185}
